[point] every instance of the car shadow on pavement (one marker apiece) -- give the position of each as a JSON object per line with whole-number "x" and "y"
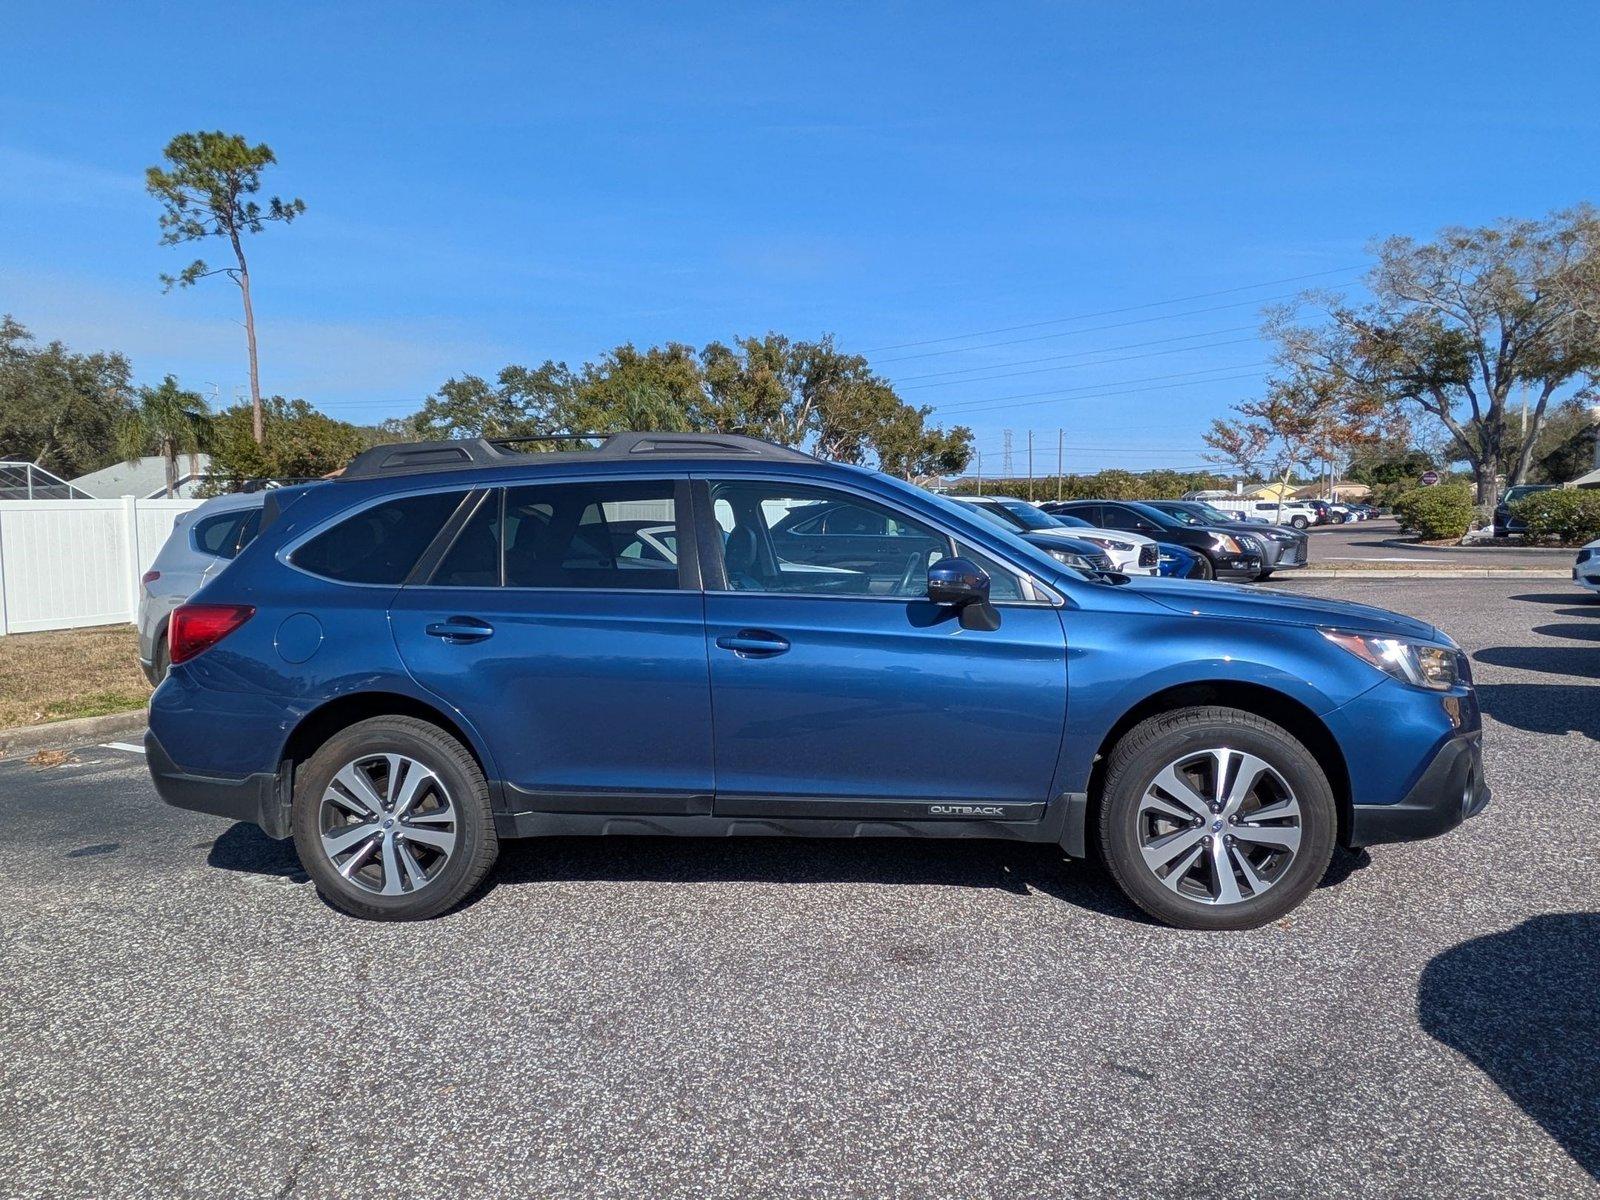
{"x": 1575, "y": 596}
{"x": 1578, "y": 631}
{"x": 1543, "y": 707}
{"x": 245, "y": 848}
{"x": 1524, "y": 1007}
{"x": 1020, "y": 868}
{"x": 1583, "y": 661}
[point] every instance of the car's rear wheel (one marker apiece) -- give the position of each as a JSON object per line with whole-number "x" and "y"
{"x": 1215, "y": 818}
{"x": 163, "y": 660}
{"x": 392, "y": 821}
{"x": 1299, "y": 522}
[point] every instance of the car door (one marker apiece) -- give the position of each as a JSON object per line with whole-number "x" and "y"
{"x": 578, "y": 654}
{"x": 843, "y": 692}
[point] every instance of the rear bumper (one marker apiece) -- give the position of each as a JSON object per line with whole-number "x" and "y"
{"x": 261, "y": 799}
{"x": 1451, "y": 789}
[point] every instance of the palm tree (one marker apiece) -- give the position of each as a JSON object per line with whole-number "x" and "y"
{"x": 167, "y": 421}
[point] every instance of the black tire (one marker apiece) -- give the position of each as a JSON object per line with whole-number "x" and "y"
{"x": 163, "y": 660}
{"x": 476, "y": 847}
{"x": 1267, "y": 574}
{"x": 1207, "y": 571}
{"x": 1148, "y": 748}
{"x": 1299, "y": 522}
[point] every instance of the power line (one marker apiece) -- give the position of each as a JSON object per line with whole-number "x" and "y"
{"x": 1028, "y": 362}
{"x": 1044, "y": 337}
{"x": 1130, "y": 392}
{"x": 1072, "y": 366}
{"x": 996, "y": 401}
{"x": 1107, "y": 312}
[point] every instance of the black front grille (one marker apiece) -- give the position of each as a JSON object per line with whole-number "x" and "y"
{"x": 1147, "y": 555}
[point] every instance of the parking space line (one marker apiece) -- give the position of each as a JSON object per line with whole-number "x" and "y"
{"x": 128, "y": 746}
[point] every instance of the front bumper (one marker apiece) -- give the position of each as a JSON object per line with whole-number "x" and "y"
{"x": 1236, "y": 566}
{"x": 262, "y": 799}
{"x": 1450, "y": 790}
{"x": 1590, "y": 580}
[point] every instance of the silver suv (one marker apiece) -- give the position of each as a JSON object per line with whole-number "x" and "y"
{"x": 203, "y": 541}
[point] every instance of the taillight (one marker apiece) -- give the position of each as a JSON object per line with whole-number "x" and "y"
{"x": 150, "y": 577}
{"x": 198, "y": 627}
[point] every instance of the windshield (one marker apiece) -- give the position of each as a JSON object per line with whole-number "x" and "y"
{"x": 1186, "y": 515}
{"x": 1216, "y": 514}
{"x": 1521, "y": 490}
{"x": 1027, "y": 516}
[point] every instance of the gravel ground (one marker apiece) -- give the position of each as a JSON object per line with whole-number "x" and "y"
{"x": 181, "y": 1016}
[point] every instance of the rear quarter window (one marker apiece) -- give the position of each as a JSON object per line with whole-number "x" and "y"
{"x": 381, "y": 543}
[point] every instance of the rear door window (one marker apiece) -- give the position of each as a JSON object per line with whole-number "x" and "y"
{"x": 381, "y": 543}
{"x": 606, "y": 534}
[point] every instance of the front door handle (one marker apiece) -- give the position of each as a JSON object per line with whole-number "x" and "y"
{"x": 461, "y": 629}
{"x": 754, "y": 643}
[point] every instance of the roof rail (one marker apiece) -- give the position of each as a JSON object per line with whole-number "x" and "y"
{"x": 459, "y": 454}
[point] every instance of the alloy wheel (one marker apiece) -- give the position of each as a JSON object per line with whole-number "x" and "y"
{"x": 388, "y": 824}
{"x": 1218, "y": 826}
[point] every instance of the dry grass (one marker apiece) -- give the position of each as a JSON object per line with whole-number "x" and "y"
{"x": 70, "y": 673}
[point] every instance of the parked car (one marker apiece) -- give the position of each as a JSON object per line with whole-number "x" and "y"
{"x": 451, "y": 645}
{"x": 1180, "y": 562}
{"x": 1057, "y": 542}
{"x": 203, "y": 541}
{"x": 1586, "y": 567}
{"x": 1505, "y": 524}
{"x": 1228, "y": 555}
{"x": 1330, "y": 512}
{"x": 1289, "y": 512}
{"x": 1282, "y": 548}
{"x": 1130, "y": 554}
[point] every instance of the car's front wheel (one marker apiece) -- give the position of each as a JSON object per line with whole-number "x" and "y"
{"x": 392, "y": 821}
{"x": 1215, "y": 818}
{"x": 1205, "y": 570}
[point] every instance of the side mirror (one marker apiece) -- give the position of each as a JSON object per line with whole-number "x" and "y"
{"x": 957, "y": 582}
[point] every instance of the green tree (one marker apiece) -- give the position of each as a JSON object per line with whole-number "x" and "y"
{"x": 59, "y": 410}
{"x": 300, "y": 443}
{"x": 206, "y": 191}
{"x": 1473, "y": 329}
{"x": 166, "y": 421}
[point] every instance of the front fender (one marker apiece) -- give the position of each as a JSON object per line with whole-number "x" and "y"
{"x": 1118, "y": 660}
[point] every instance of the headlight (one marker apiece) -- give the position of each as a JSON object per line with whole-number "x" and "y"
{"x": 1071, "y": 559}
{"x": 1105, "y": 543}
{"x": 1229, "y": 545}
{"x": 1420, "y": 665}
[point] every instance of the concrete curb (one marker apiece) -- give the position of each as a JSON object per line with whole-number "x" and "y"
{"x": 80, "y": 731}
{"x": 1429, "y": 573}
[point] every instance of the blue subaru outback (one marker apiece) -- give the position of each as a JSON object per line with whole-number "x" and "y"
{"x": 704, "y": 635}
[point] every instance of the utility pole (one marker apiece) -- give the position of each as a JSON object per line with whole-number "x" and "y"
{"x": 1006, "y": 470}
{"x": 1061, "y": 458}
{"x": 1030, "y": 464}
{"x": 980, "y": 472}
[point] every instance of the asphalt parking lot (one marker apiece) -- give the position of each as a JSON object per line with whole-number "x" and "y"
{"x": 181, "y": 1016}
{"x": 1379, "y": 541}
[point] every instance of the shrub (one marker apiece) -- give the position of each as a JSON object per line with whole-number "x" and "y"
{"x": 1436, "y": 513}
{"x": 1569, "y": 514}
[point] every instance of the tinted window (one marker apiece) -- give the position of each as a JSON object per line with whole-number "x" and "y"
{"x": 474, "y": 557}
{"x": 379, "y": 544}
{"x": 219, "y": 535}
{"x": 591, "y": 535}
{"x": 780, "y": 537}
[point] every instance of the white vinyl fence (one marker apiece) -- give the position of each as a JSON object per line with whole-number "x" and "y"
{"x": 68, "y": 563}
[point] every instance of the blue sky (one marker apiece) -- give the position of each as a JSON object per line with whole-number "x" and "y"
{"x": 508, "y": 183}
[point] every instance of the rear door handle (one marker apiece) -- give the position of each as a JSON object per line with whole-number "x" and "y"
{"x": 461, "y": 629}
{"x": 755, "y": 643}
